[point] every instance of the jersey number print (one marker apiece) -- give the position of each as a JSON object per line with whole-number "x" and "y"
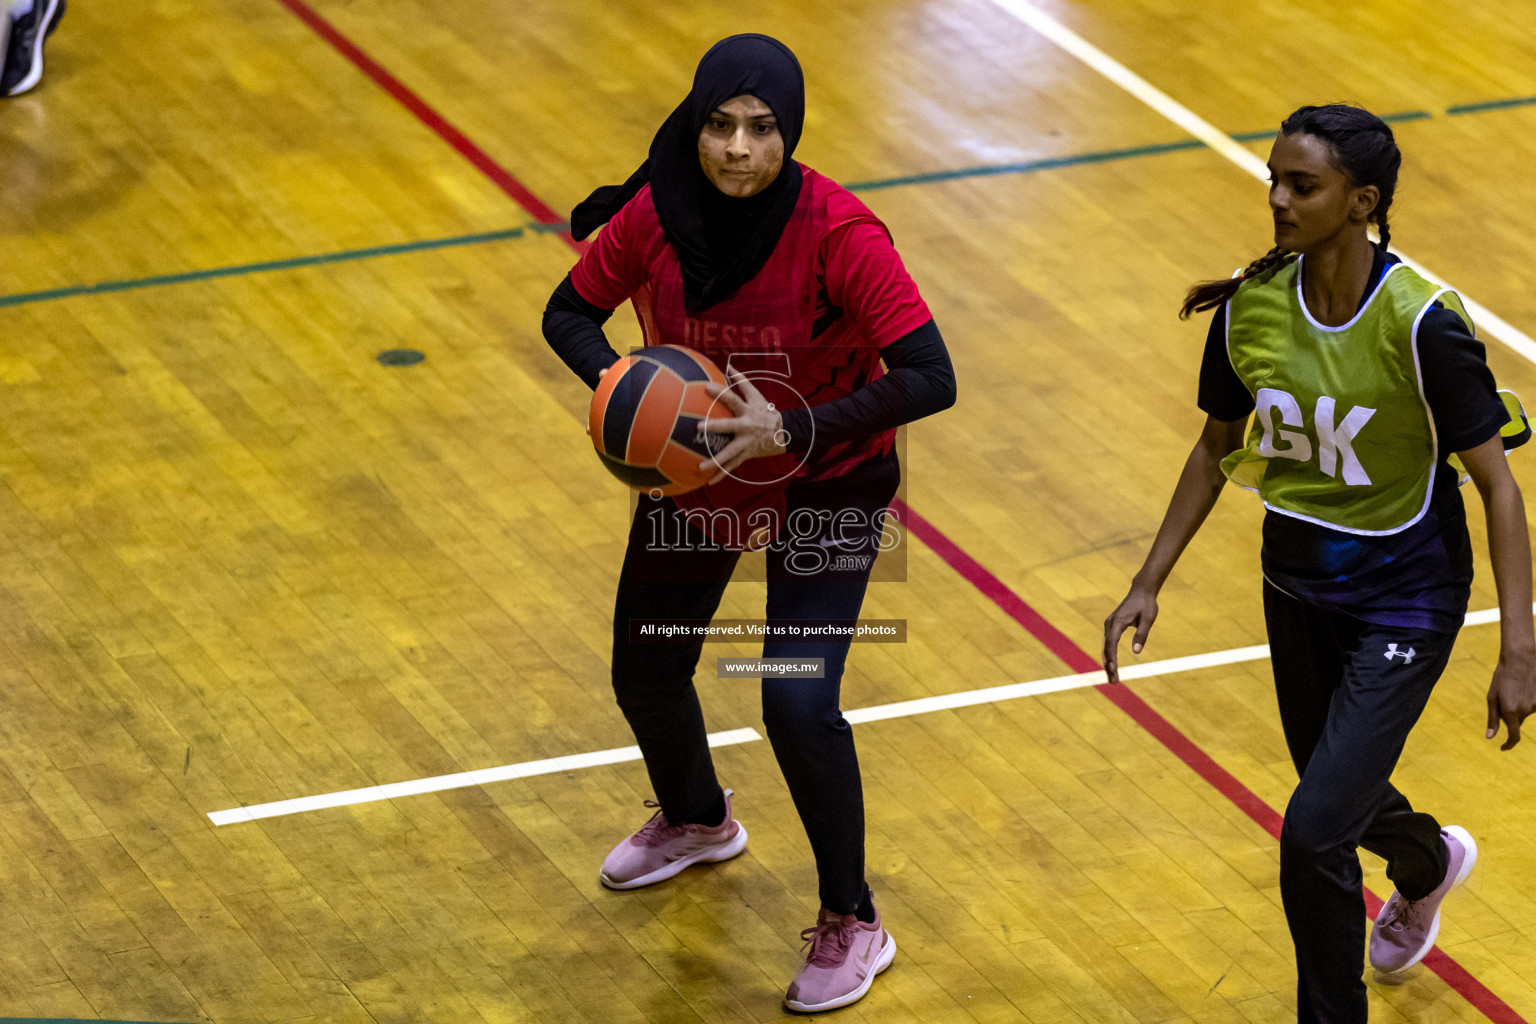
{"x": 1335, "y": 449}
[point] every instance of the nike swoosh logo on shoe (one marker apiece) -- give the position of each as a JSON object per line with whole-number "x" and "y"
{"x": 863, "y": 968}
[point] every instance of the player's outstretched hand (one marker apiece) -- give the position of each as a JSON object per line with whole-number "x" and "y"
{"x": 1139, "y": 609}
{"x": 1511, "y": 697}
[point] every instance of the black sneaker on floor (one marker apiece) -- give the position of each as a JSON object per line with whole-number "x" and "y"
{"x": 24, "y": 52}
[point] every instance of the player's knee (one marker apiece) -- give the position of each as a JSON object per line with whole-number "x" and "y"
{"x": 786, "y": 712}
{"x": 645, "y": 683}
{"x": 1311, "y": 833}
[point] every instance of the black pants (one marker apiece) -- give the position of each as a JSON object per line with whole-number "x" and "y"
{"x": 812, "y": 741}
{"x": 1349, "y": 693}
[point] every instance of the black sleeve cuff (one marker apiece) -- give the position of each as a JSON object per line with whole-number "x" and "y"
{"x": 1470, "y": 439}
{"x": 797, "y": 424}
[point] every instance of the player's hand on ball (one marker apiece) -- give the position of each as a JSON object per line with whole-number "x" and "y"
{"x": 758, "y": 427}
{"x": 588, "y": 428}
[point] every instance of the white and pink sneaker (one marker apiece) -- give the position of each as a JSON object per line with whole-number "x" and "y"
{"x": 1405, "y": 930}
{"x": 660, "y": 849}
{"x": 844, "y": 957}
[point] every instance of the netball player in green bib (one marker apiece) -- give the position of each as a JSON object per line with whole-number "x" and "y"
{"x": 1369, "y": 392}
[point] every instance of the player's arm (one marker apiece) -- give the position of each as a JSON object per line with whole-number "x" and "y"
{"x": 920, "y": 383}
{"x": 574, "y": 329}
{"x": 609, "y": 272}
{"x": 867, "y": 282}
{"x": 1512, "y": 694}
{"x": 1199, "y": 486}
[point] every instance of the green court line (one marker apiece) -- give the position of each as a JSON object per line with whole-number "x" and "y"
{"x": 929, "y": 178}
{"x": 1478, "y": 108}
{"x": 293, "y": 263}
{"x": 69, "y": 1020}
{"x": 1403, "y": 115}
{"x": 1408, "y": 115}
{"x": 1025, "y": 167}
{"x": 297, "y": 262}
{"x": 1103, "y": 156}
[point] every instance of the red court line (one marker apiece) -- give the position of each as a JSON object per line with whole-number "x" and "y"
{"x": 1474, "y": 991}
{"x": 428, "y": 116}
{"x": 1204, "y": 766}
{"x": 1054, "y": 639}
{"x": 1451, "y": 972}
{"x": 1080, "y": 660}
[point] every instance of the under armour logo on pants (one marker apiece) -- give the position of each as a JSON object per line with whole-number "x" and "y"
{"x": 1407, "y": 656}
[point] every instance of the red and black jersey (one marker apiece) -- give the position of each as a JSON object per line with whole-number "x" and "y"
{"x": 808, "y": 327}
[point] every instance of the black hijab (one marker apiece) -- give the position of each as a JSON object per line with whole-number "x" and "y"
{"x": 721, "y": 241}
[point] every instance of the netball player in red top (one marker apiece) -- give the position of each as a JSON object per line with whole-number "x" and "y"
{"x": 726, "y": 245}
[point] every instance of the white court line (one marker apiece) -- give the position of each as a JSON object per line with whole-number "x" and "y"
{"x": 898, "y": 709}
{"x": 1013, "y": 691}
{"x": 1227, "y": 146}
{"x": 458, "y": 780}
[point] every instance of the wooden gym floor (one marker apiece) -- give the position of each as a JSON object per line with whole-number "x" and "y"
{"x": 243, "y": 562}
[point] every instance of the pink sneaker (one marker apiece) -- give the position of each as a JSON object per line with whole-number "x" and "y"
{"x": 660, "y": 850}
{"x": 1405, "y": 930}
{"x": 844, "y": 957}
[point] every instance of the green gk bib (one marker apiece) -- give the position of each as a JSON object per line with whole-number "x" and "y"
{"x": 1341, "y": 435}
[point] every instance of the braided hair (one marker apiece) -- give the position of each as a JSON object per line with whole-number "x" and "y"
{"x": 1362, "y": 147}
